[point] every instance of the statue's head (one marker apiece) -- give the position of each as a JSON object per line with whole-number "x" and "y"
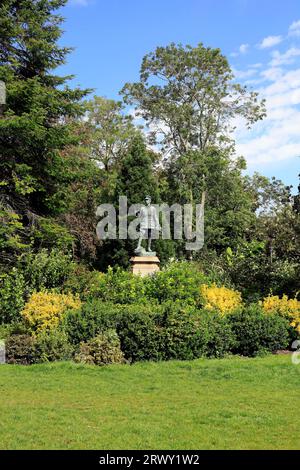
{"x": 148, "y": 200}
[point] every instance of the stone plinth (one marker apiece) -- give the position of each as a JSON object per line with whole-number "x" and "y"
{"x": 144, "y": 265}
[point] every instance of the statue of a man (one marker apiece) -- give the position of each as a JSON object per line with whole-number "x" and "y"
{"x": 148, "y": 224}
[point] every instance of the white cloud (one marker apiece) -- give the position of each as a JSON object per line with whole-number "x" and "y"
{"x": 270, "y": 41}
{"x": 273, "y": 144}
{"x": 286, "y": 82}
{"x": 243, "y": 48}
{"x": 294, "y": 29}
{"x": 242, "y": 74}
{"x": 286, "y": 58}
{"x": 276, "y": 138}
{"x": 272, "y": 74}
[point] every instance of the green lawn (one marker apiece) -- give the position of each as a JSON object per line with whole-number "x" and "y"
{"x": 235, "y": 403}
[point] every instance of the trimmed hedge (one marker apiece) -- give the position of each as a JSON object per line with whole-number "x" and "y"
{"x": 256, "y": 332}
{"x": 153, "y": 332}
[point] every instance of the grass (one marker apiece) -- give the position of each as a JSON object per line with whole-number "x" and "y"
{"x": 235, "y": 403}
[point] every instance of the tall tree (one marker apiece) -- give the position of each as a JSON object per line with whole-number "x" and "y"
{"x": 34, "y": 126}
{"x": 188, "y": 97}
{"x": 112, "y": 131}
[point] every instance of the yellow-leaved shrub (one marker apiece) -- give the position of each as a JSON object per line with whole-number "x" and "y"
{"x": 44, "y": 310}
{"x": 220, "y": 298}
{"x": 289, "y": 308}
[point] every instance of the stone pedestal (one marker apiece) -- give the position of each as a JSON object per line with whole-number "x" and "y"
{"x": 144, "y": 265}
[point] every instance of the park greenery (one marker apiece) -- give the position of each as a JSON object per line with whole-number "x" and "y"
{"x": 64, "y": 294}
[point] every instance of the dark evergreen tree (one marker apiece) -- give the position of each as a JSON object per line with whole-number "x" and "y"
{"x": 36, "y": 123}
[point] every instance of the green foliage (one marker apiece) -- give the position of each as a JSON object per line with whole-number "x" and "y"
{"x": 12, "y": 296}
{"x": 101, "y": 350}
{"x": 96, "y": 316}
{"x": 178, "y": 282}
{"x": 48, "y": 234}
{"x": 112, "y": 131}
{"x": 46, "y": 269}
{"x": 184, "y": 90}
{"x": 5, "y": 330}
{"x": 139, "y": 331}
{"x": 189, "y": 333}
{"x": 251, "y": 271}
{"x": 52, "y": 345}
{"x": 135, "y": 180}
{"x": 135, "y": 174}
{"x": 153, "y": 332}
{"x": 36, "y": 123}
{"x": 120, "y": 286}
{"x": 11, "y": 229}
{"x": 20, "y": 349}
{"x": 83, "y": 282}
{"x": 257, "y": 333}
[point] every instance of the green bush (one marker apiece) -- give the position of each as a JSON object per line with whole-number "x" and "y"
{"x": 12, "y": 296}
{"x": 183, "y": 335}
{"x": 93, "y": 317}
{"x": 82, "y": 282}
{"x": 135, "y": 325}
{"x": 101, "y": 350}
{"x": 120, "y": 287}
{"x": 46, "y": 269}
{"x": 140, "y": 332}
{"x": 190, "y": 333}
{"x": 52, "y": 345}
{"x": 178, "y": 282}
{"x": 256, "y": 332}
{"x": 153, "y": 332}
{"x": 20, "y": 349}
{"x": 5, "y": 331}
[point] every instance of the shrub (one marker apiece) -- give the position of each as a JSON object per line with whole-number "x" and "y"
{"x": 256, "y": 332}
{"x": 153, "y": 332}
{"x": 140, "y": 332}
{"x": 12, "y": 296}
{"x": 220, "y": 336}
{"x": 285, "y": 307}
{"x": 221, "y": 299}
{"x": 52, "y": 345}
{"x": 119, "y": 286}
{"x": 46, "y": 269}
{"x": 135, "y": 325}
{"x": 44, "y": 310}
{"x": 5, "y": 331}
{"x": 8, "y": 329}
{"x": 178, "y": 282}
{"x": 20, "y": 349}
{"x": 190, "y": 333}
{"x": 93, "y": 317}
{"x": 101, "y": 350}
{"x": 83, "y": 282}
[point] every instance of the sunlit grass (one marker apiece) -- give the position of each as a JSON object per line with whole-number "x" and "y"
{"x": 232, "y": 403}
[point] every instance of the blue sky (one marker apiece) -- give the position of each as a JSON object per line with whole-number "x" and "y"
{"x": 261, "y": 39}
